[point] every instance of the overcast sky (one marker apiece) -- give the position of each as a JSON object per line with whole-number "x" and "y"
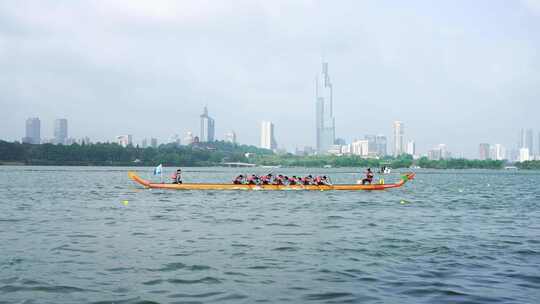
{"x": 455, "y": 72}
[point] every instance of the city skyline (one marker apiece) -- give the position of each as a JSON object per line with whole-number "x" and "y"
{"x": 371, "y": 145}
{"x": 416, "y": 62}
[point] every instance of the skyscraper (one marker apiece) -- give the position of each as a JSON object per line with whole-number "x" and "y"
{"x": 398, "y": 138}
{"x": 483, "y": 151}
{"x": 33, "y": 131}
{"x": 60, "y": 131}
{"x": 381, "y": 142}
{"x": 498, "y": 152}
{"x": 439, "y": 152}
{"x": 524, "y": 154}
{"x": 526, "y": 139}
{"x": 325, "y": 122}
{"x": 372, "y": 144}
{"x": 207, "y": 127}
{"x": 411, "y": 147}
{"x": 529, "y": 140}
{"x": 267, "y": 136}
{"x": 538, "y": 144}
{"x": 360, "y": 147}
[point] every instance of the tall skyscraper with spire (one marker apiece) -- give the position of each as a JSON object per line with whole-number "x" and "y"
{"x": 207, "y": 127}
{"x": 325, "y": 122}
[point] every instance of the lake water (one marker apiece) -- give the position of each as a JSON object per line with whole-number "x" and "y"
{"x": 68, "y": 236}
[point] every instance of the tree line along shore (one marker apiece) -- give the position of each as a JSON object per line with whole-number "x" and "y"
{"x": 214, "y": 154}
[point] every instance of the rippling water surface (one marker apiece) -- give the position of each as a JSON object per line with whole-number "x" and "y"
{"x": 67, "y": 236}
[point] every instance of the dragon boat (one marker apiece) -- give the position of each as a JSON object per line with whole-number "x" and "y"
{"x": 217, "y": 186}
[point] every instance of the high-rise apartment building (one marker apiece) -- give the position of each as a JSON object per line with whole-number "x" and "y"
{"x": 411, "y": 147}
{"x": 207, "y": 127}
{"x": 372, "y": 144}
{"x": 524, "y": 154}
{"x": 526, "y": 139}
{"x": 529, "y": 140}
{"x": 33, "y": 131}
{"x": 484, "y": 151}
{"x": 268, "y": 140}
{"x": 60, "y": 131}
{"x": 324, "y": 120}
{"x": 498, "y": 152}
{"x": 381, "y": 143}
{"x": 538, "y": 144}
{"x": 398, "y": 138}
{"x": 439, "y": 152}
{"x": 360, "y": 147}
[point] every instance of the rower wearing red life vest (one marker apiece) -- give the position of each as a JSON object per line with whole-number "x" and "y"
{"x": 266, "y": 179}
{"x": 307, "y": 180}
{"x": 251, "y": 180}
{"x": 278, "y": 180}
{"x": 293, "y": 180}
{"x": 369, "y": 177}
{"x": 239, "y": 180}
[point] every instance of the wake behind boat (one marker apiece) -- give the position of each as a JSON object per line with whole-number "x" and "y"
{"x": 222, "y": 186}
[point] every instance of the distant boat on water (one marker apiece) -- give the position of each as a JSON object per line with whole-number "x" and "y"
{"x": 271, "y": 167}
{"x": 511, "y": 168}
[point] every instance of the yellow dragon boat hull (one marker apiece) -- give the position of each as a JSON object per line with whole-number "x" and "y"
{"x": 209, "y": 186}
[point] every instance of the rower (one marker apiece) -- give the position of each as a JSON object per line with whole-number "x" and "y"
{"x": 369, "y": 177}
{"x": 286, "y": 180}
{"x": 293, "y": 180}
{"x": 239, "y": 180}
{"x": 177, "y": 177}
{"x": 278, "y": 180}
{"x": 251, "y": 180}
{"x": 307, "y": 180}
{"x": 326, "y": 180}
{"x": 266, "y": 179}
